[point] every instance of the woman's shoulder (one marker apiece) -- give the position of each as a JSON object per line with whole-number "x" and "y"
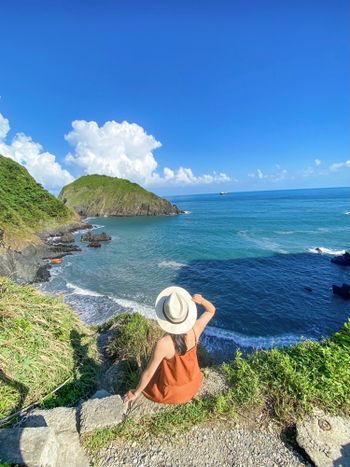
{"x": 164, "y": 342}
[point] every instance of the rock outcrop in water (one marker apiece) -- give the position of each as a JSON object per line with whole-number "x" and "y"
{"x": 100, "y": 195}
{"x": 99, "y": 237}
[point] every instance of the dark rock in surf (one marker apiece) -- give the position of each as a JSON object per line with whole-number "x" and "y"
{"x": 94, "y": 245}
{"x": 343, "y": 291}
{"x": 342, "y": 260}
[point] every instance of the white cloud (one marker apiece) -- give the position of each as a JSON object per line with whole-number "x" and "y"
{"x": 41, "y": 165}
{"x": 280, "y": 175}
{"x": 339, "y": 165}
{"x": 125, "y": 150}
{"x": 318, "y": 162}
{"x": 183, "y": 176}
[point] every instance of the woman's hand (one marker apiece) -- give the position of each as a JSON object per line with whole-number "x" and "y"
{"x": 130, "y": 396}
{"x": 197, "y": 298}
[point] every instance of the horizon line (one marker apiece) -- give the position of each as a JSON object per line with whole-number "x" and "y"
{"x": 258, "y": 191}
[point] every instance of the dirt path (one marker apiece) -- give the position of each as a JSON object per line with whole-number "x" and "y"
{"x": 203, "y": 446}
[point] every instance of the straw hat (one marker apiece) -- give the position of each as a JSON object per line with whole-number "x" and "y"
{"x": 176, "y": 311}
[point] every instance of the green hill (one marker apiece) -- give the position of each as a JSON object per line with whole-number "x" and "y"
{"x": 100, "y": 195}
{"x": 25, "y": 206}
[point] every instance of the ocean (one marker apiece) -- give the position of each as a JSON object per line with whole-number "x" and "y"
{"x": 252, "y": 254}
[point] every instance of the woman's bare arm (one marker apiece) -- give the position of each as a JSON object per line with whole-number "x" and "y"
{"x": 207, "y": 315}
{"x": 159, "y": 352}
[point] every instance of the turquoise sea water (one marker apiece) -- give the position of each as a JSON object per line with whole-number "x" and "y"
{"x": 250, "y": 253}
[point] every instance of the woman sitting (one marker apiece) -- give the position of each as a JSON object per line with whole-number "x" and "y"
{"x": 173, "y": 375}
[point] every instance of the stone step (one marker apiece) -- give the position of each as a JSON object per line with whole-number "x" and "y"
{"x": 326, "y": 439}
{"x": 101, "y": 413}
{"x": 63, "y": 422}
{"x": 34, "y": 447}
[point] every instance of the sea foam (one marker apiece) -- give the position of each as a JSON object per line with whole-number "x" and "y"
{"x": 326, "y": 251}
{"x": 171, "y": 265}
{"x": 255, "y": 342}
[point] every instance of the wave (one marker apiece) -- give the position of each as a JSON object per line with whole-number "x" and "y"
{"x": 171, "y": 265}
{"x": 145, "y": 310}
{"x": 285, "y": 232}
{"x": 55, "y": 271}
{"x": 94, "y": 227}
{"x": 326, "y": 251}
{"x": 263, "y": 243}
{"x": 142, "y": 308}
{"x": 80, "y": 291}
{"x": 255, "y": 342}
{"x": 214, "y": 337}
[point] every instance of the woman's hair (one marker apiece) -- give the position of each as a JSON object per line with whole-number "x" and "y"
{"x": 179, "y": 343}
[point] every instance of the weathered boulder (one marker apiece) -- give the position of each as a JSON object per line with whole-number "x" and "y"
{"x": 67, "y": 238}
{"x": 326, "y": 439}
{"x": 33, "y": 447}
{"x": 101, "y": 413}
{"x": 94, "y": 245}
{"x": 99, "y": 237}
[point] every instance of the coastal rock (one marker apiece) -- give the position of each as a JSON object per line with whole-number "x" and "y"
{"x": 94, "y": 245}
{"x": 30, "y": 446}
{"x": 63, "y": 248}
{"x": 101, "y": 413}
{"x": 100, "y": 237}
{"x": 326, "y": 439}
{"x": 342, "y": 260}
{"x": 22, "y": 266}
{"x": 67, "y": 238}
{"x": 343, "y": 291}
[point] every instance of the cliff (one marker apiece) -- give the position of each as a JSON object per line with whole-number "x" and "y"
{"x": 100, "y": 195}
{"x": 26, "y": 211}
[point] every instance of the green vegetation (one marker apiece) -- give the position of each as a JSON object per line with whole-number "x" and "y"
{"x": 283, "y": 383}
{"x": 97, "y": 195}
{"x": 42, "y": 344}
{"x": 25, "y": 206}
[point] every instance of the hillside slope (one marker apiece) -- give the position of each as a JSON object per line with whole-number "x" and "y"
{"x": 26, "y": 207}
{"x": 42, "y": 344}
{"x": 100, "y": 195}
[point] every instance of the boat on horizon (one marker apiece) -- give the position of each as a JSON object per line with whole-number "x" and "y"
{"x": 223, "y": 193}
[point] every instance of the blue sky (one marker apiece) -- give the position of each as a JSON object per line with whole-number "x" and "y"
{"x": 223, "y": 95}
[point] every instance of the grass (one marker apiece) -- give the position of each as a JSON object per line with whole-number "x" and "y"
{"x": 25, "y": 206}
{"x": 42, "y": 343}
{"x": 285, "y": 383}
{"x": 100, "y": 194}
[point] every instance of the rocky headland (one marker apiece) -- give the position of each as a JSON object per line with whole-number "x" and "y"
{"x": 100, "y": 195}
{"x": 34, "y": 225}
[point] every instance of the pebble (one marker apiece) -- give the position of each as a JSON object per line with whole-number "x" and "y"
{"x": 202, "y": 446}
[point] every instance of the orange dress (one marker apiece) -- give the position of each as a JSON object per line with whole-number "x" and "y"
{"x": 177, "y": 380}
